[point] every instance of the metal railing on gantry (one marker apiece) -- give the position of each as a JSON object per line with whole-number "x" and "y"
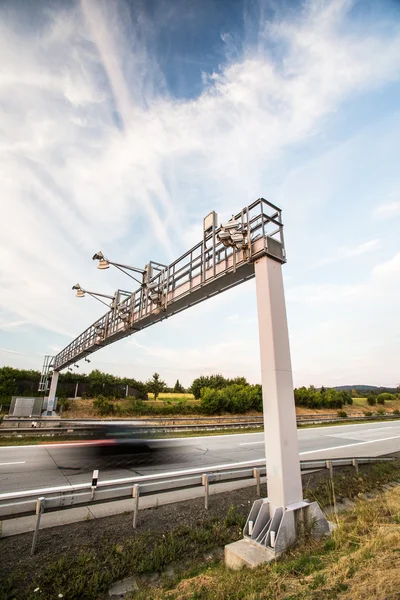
{"x": 223, "y": 259}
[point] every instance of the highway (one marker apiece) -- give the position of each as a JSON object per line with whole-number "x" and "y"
{"x": 50, "y": 465}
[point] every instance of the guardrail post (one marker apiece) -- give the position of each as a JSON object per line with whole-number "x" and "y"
{"x": 329, "y": 465}
{"x": 257, "y": 475}
{"x": 135, "y": 496}
{"x": 39, "y": 511}
{"x": 206, "y": 482}
{"x": 94, "y": 482}
{"x": 355, "y": 464}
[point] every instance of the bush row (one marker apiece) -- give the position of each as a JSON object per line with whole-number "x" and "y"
{"x": 324, "y": 398}
{"x": 136, "y": 407}
{"x": 234, "y": 398}
{"x": 380, "y": 399}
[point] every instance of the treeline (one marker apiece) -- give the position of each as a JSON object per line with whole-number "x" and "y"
{"x": 22, "y": 382}
{"x": 217, "y": 394}
{"x": 363, "y": 391}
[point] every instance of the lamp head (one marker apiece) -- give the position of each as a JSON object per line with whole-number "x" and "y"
{"x": 103, "y": 262}
{"x": 80, "y": 293}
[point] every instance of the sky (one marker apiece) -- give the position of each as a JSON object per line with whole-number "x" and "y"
{"x": 123, "y": 123}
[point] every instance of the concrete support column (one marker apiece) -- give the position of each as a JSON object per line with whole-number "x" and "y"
{"x": 52, "y": 392}
{"x": 280, "y": 429}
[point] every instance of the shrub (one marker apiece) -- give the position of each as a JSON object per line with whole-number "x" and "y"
{"x": 234, "y": 398}
{"x": 103, "y": 405}
{"x": 367, "y": 413}
{"x": 323, "y": 398}
{"x": 215, "y": 382}
{"x": 64, "y": 403}
{"x": 371, "y": 400}
{"x": 381, "y": 411}
{"x": 396, "y": 411}
{"x": 385, "y": 396}
{"x": 134, "y": 406}
{"x": 342, "y": 413}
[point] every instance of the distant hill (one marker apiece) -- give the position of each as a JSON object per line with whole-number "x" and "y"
{"x": 367, "y": 388}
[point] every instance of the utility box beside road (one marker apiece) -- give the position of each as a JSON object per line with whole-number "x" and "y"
{"x": 25, "y": 407}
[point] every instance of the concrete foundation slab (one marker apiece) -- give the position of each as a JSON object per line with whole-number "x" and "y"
{"x": 121, "y": 588}
{"x": 244, "y": 553}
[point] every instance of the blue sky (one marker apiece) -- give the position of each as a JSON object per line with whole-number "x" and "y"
{"x": 123, "y": 123}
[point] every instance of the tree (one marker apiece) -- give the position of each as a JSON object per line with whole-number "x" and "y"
{"x": 156, "y": 385}
{"x": 385, "y": 396}
{"x": 215, "y": 382}
{"x": 178, "y": 387}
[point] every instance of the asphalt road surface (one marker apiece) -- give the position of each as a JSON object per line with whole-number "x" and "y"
{"x": 49, "y": 465}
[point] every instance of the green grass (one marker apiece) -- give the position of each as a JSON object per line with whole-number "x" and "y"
{"x": 315, "y": 570}
{"x": 347, "y": 484}
{"x": 88, "y": 574}
{"x": 30, "y": 440}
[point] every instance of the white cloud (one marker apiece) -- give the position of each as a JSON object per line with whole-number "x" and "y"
{"x": 387, "y": 210}
{"x": 344, "y": 253}
{"x": 10, "y": 351}
{"x": 350, "y": 330}
{"x": 4, "y": 324}
{"x": 326, "y": 293}
{"x": 72, "y": 182}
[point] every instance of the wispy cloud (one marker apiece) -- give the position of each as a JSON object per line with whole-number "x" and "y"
{"x": 347, "y": 252}
{"x": 387, "y": 210}
{"x": 7, "y": 351}
{"x": 99, "y": 154}
{"x": 4, "y": 325}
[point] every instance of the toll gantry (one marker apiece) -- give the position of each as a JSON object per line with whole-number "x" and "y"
{"x": 223, "y": 259}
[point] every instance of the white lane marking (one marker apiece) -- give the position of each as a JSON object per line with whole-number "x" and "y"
{"x": 395, "y": 437}
{"x": 251, "y": 443}
{"x": 21, "y": 462}
{"x": 333, "y": 447}
{"x": 351, "y": 425}
{"x": 178, "y": 439}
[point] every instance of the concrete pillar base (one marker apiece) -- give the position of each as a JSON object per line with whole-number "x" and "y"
{"x": 245, "y": 553}
{"x": 270, "y": 530}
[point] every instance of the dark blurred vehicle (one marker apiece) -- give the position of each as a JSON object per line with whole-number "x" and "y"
{"x": 110, "y": 446}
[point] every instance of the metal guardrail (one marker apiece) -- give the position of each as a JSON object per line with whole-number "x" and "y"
{"x": 167, "y": 420}
{"x": 149, "y": 427}
{"x": 17, "y": 504}
{"x": 145, "y": 429}
{"x": 24, "y": 503}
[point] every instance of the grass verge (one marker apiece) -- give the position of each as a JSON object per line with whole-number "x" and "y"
{"x": 327, "y": 567}
{"x": 360, "y": 561}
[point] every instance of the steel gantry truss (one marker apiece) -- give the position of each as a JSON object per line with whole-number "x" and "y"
{"x": 223, "y": 259}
